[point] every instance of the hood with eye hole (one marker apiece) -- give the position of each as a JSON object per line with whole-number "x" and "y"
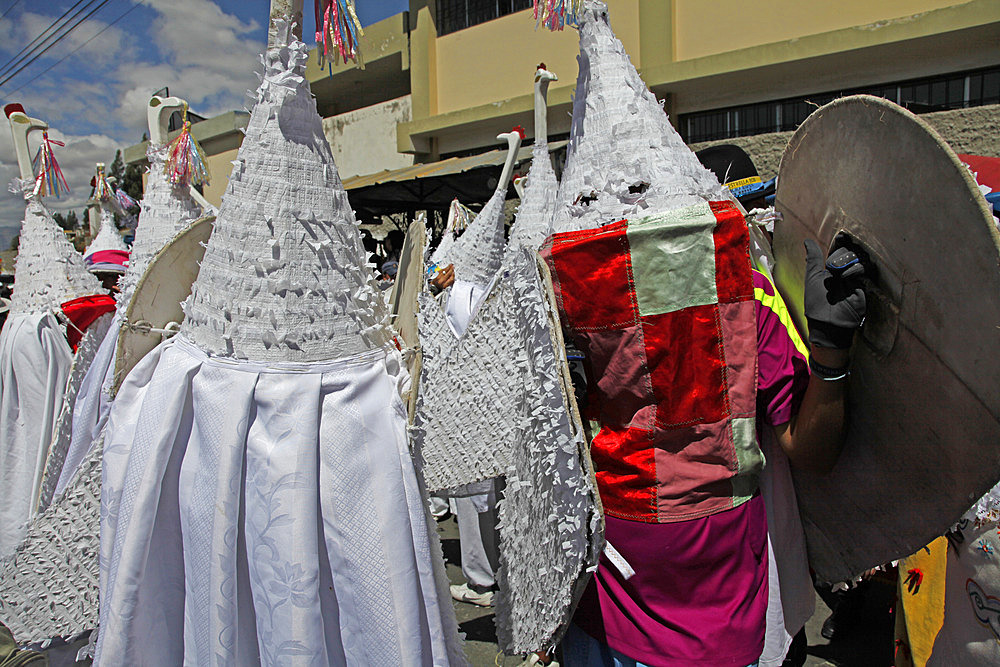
{"x": 624, "y": 158}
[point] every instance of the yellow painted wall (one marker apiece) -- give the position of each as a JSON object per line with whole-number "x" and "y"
{"x": 706, "y": 28}
{"x": 220, "y": 165}
{"x": 496, "y": 60}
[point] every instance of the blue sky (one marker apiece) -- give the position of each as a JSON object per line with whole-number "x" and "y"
{"x": 206, "y": 51}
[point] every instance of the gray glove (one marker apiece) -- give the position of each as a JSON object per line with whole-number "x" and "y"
{"x": 834, "y": 301}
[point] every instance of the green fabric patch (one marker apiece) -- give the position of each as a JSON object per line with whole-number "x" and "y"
{"x": 749, "y": 459}
{"x": 673, "y": 259}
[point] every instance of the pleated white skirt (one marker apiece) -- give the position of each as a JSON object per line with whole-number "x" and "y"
{"x": 35, "y": 362}
{"x": 267, "y": 513}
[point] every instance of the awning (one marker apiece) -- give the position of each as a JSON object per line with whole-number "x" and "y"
{"x": 433, "y": 185}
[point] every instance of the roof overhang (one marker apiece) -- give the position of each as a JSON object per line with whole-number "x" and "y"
{"x": 433, "y": 185}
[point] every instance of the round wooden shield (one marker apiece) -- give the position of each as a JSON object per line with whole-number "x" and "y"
{"x": 923, "y": 432}
{"x": 156, "y": 302}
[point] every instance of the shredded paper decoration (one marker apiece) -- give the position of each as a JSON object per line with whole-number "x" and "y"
{"x": 459, "y": 217}
{"x": 497, "y": 402}
{"x": 337, "y": 32}
{"x": 49, "y": 179}
{"x": 186, "y": 163}
{"x": 624, "y": 159}
{"x": 557, "y": 14}
{"x": 48, "y": 270}
{"x": 284, "y": 276}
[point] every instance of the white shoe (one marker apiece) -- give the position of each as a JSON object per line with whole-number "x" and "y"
{"x": 465, "y": 594}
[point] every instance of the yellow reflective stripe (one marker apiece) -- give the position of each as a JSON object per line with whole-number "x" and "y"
{"x": 776, "y": 305}
{"x": 749, "y": 180}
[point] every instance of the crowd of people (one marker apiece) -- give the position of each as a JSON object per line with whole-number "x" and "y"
{"x": 264, "y": 475}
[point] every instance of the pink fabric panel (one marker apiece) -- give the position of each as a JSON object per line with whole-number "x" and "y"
{"x": 739, "y": 340}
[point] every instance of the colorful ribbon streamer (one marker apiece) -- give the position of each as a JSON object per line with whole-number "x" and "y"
{"x": 124, "y": 201}
{"x": 49, "y": 176}
{"x": 557, "y": 14}
{"x": 337, "y": 31}
{"x": 186, "y": 162}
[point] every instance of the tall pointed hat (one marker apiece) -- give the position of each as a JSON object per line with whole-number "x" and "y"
{"x": 107, "y": 252}
{"x": 166, "y": 208}
{"x": 48, "y": 271}
{"x": 624, "y": 159}
{"x": 458, "y": 219}
{"x": 478, "y": 253}
{"x": 538, "y": 203}
{"x": 284, "y": 276}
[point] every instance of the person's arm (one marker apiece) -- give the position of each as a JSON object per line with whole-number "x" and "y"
{"x": 813, "y": 438}
{"x": 444, "y": 279}
{"x": 835, "y": 309}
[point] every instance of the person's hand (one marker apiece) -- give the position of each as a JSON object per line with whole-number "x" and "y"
{"x": 445, "y": 278}
{"x": 834, "y": 301}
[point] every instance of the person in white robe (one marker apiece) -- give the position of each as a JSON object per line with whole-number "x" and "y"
{"x": 259, "y": 502}
{"x": 35, "y": 357}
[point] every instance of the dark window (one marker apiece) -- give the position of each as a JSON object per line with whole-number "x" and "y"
{"x": 991, "y": 87}
{"x": 453, "y": 15}
{"x": 919, "y": 95}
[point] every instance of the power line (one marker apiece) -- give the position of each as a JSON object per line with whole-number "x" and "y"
{"x": 10, "y": 8}
{"x": 52, "y": 39}
{"x": 59, "y": 39}
{"x": 36, "y": 40}
{"x": 44, "y": 71}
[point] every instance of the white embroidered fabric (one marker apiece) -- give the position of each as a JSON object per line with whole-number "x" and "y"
{"x": 538, "y": 204}
{"x": 81, "y": 399}
{"x": 791, "y": 598}
{"x": 35, "y": 362}
{"x": 267, "y": 510}
{"x": 48, "y": 588}
{"x": 492, "y": 403}
{"x": 107, "y": 237}
{"x": 478, "y": 253}
{"x": 266, "y": 513}
{"x": 624, "y": 159}
{"x": 48, "y": 271}
{"x": 165, "y": 211}
{"x": 285, "y": 276}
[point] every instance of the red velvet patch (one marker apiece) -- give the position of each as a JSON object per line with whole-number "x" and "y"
{"x": 684, "y": 354}
{"x": 626, "y": 473}
{"x": 733, "y": 281}
{"x": 596, "y": 267}
{"x": 82, "y": 312}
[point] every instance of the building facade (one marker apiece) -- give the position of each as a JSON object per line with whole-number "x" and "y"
{"x": 442, "y": 79}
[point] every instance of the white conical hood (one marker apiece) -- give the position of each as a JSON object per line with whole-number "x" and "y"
{"x": 478, "y": 253}
{"x": 458, "y": 218}
{"x": 284, "y": 276}
{"x": 165, "y": 211}
{"x": 107, "y": 237}
{"x": 538, "y": 200}
{"x": 621, "y": 139}
{"x": 538, "y": 205}
{"x": 48, "y": 271}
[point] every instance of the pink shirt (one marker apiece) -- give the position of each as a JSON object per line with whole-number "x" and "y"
{"x": 699, "y": 593}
